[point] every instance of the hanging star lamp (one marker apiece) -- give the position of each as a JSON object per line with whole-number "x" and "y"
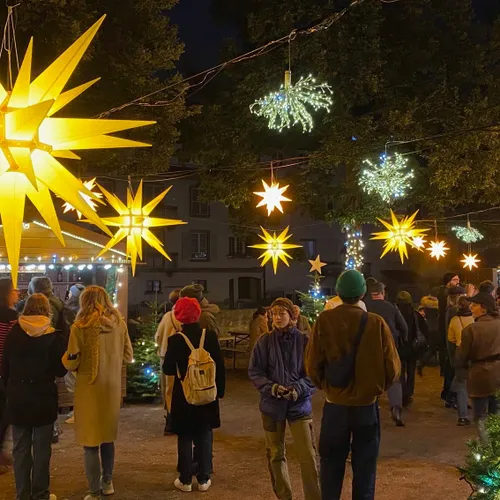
{"x": 316, "y": 265}
{"x": 419, "y": 243}
{"x": 90, "y": 185}
{"x": 134, "y": 223}
{"x": 31, "y": 140}
{"x": 275, "y": 248}
{"x": 272, "y": 196}
{"x": 399, "y": 234}
{"x": 470, "y": 261}
{"x": 437, "y": 248}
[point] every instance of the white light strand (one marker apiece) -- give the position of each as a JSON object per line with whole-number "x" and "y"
{"x": 354, "y": 248}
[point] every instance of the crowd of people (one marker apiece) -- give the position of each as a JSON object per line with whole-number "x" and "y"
{"x": 360, "y": 346}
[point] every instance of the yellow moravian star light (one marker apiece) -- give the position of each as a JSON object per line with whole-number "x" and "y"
{"x": 90, "y": 202}
{"x": 272, "y": 196}
{"x": 470, "y": 261}
{"x": 31, "y": 140}
{"x": 134, "y": 223}
{"x": 275, "y": 248}
{"x": 399, "y": 234}
{"x": 437, "y": 249}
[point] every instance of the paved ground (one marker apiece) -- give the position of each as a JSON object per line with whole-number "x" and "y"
{"x": 416, "y": 462}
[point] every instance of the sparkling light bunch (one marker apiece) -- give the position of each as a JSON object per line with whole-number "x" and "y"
{"x": 391, "y": 179}
{"x": 467, "y": 234}
{"x": 354, "y": 249}
{"x": 288, "y": 106}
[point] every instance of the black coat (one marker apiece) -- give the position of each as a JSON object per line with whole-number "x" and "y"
{"x": 186, "y": 418}
{"x": 30, "y": 366}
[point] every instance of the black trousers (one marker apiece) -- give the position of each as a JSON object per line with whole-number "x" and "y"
{"x": 408, "y": 369}
{"x": 3, "y": 419}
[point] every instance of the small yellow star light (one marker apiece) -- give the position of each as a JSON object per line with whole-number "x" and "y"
{"x": 470, "y": 261}
{"x": 272, "y": 196}
{"x": 316, "y": 265}
{"x": 437, "y": 249}
{"x": 31, "y": 140}
{"x": 90, "y": 185}
{"x": 275, "y": 248}
{"x": 419, "y": 242}
{"x": 134, "y": 223}
{"x": 399, "y": 234}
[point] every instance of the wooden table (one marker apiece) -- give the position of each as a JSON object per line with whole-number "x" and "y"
{"x": 235, "y": 342}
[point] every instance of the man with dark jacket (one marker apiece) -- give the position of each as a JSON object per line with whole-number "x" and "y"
{"x": 377, "y": 304}
{"x": 351, "y": 415}
{"x": 208, "y": 311}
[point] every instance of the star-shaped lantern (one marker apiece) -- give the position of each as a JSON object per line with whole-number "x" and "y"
{"x": 470, "y": 261}
{"x": 90, "y": 185}
{"x": 272, "y": 196}
{"x": 316, "y": 265}
{"x": 275, "y": 248}
{"x": 437, "y": 249}
{"x": 134, "y": 223}
{"x": 399, "y": 234}
{"x": 419, "y": 242}
{"x": 31, "y": 140}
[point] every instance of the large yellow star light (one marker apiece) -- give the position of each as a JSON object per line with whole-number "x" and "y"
{"x": 399, "y": 234}
{"x": 134, "y": 223}
{"x": 90, "y": 185}
{"x": 275, "y": 248}
{"x": 31, "y": 140}
{"x": 470, "y": 261}
{"x": 272, "y": 196}
{"x": 437, "y": 249}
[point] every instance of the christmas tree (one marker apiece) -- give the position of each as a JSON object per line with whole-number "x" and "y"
{"x": 313, "y": 302}
{"x": 143, "y": 374}
{"x": 482, "y": 469}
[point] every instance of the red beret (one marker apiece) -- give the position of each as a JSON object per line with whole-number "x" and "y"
{"x": 187, "y": 310}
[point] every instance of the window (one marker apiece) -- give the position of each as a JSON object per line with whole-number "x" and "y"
{"x": 203, "y": 283}
{"x": 197, "y": 208}
{"x": 153, "y": 286}
{"x": 309, "y": 248}
{"x": 155, "y": 261}
{"x": 249, "y": 288}
{"x": 200, "y": 245}
{"x": 237, "y": 247}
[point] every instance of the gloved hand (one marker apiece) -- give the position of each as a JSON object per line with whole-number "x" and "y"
{"x": 291, "y": 394}
{"x": 278, "y": 391}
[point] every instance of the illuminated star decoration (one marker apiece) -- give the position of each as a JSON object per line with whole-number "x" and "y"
{"x": 390, "y": 180}
{"x": 90, "y": 202}
{"x": 419, "y": 242}
{"x": 288, "y": 106}
{"x": 134, "y": 223}
{"x": 399, "y": 234}
{"x": 275, "y": 248}
{"x": 272, "y": 196}
{"x": 31, "y": 140}
{"x": 467, "y": 233}
{"x": 437, "y": 249}
{"x": 316, "y": 265}
{"x": 470, "y": 261}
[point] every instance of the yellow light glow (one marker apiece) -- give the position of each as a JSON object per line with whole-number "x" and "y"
{"x": 437, "y": 249}
{"x": 31, "y": 140}
{"x": 399, "y": 234}
{"x": 470, "y": 261}
{"x": 419, "y": 242}
{"x": 272, "y": 196}
{"x": 275, "y": 248}
{"x": 316, "y": 265}
{"x": 134, "y": 224}
{"x": 90, "y": 185}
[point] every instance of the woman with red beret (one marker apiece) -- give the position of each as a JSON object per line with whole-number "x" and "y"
{"x": 193, "y": 424}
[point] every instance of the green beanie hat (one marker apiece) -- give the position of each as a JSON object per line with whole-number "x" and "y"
{"x": 404, "y": 298}
{"x": 351, "y": 284}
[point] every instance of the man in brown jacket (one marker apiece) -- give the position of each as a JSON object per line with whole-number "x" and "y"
{"x": 351, "y": 416}
{"x": 480, "y": 348}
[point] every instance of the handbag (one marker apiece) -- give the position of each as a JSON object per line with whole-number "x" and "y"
{"x": 340, "y": 372}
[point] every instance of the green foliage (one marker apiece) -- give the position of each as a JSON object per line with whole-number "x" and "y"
{"x": 314, "y": 301}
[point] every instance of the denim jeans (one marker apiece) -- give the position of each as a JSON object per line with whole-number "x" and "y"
{"x": 203, "y": 442}
{"x": 395, "y": 395}
{"x": 93, "y": 466}
{"x": 482, "y": 407}
{"x": 32, "y": 451}
{"x": 349, "y": 427}
{"x": 459, "y": 386}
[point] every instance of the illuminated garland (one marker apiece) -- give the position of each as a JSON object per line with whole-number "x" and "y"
{"x": 354, "y": 248}
{"x": 288, "y": 106}
{"x": 467, "y": 233}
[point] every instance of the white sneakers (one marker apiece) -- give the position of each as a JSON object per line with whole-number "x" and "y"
{"x": 107, "y": 488}
{"x": 187, "y": 488}
{"x": 205, "y": 486}
{"x": 52, "y": 497}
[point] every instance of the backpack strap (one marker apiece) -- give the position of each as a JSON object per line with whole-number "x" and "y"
{"x": 202, "y": 340}
{"x": 188, "y": 342}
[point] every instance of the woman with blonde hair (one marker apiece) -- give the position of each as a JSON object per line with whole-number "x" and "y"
{"x": 98, "y": 347}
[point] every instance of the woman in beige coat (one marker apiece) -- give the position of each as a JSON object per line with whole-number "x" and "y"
{"x": 98, "y": 346}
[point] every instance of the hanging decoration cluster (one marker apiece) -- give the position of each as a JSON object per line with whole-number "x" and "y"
{"x": 354, "y": 248}
{"x": 289, "y": 105}
{"x": 467, "y": 234}
{"x": 31, "y": 139}
{"x": 391, "y": 179}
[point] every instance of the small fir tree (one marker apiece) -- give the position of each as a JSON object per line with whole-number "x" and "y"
{"x": 313, "y": 302}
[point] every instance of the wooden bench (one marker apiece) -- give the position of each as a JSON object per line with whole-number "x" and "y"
{"x": 235, "y": 343}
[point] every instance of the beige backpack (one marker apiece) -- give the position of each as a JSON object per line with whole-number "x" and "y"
{"x": 199, "y": 383}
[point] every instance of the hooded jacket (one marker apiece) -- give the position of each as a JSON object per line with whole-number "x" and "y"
{"x": 168, "y": 326}
{"x": 31, "y": 361}
{"x": 207, "y": 319}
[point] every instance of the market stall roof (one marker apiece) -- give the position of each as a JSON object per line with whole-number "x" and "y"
{"x": 40, "y": 244}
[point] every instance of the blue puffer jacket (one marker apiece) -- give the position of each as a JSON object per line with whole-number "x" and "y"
{"x": 278, "y": 358}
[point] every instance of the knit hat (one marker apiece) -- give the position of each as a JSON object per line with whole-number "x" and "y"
{"x": 76, "y": 290}
{"x": 447, "y": 277}
{"x": 193, "y": 291}
{"x": 351, "y": 284}
{"x": 286, "y": 304}
{"x": 404, "y": 297}
{"x": 187, "y": 310}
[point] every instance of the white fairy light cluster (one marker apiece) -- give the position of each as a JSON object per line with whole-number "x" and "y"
{"x": 467, "y": 234}
{"x": 354, "y": 249}
{"x": 289, "y": 106}
{"x": 391, "y": 179}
